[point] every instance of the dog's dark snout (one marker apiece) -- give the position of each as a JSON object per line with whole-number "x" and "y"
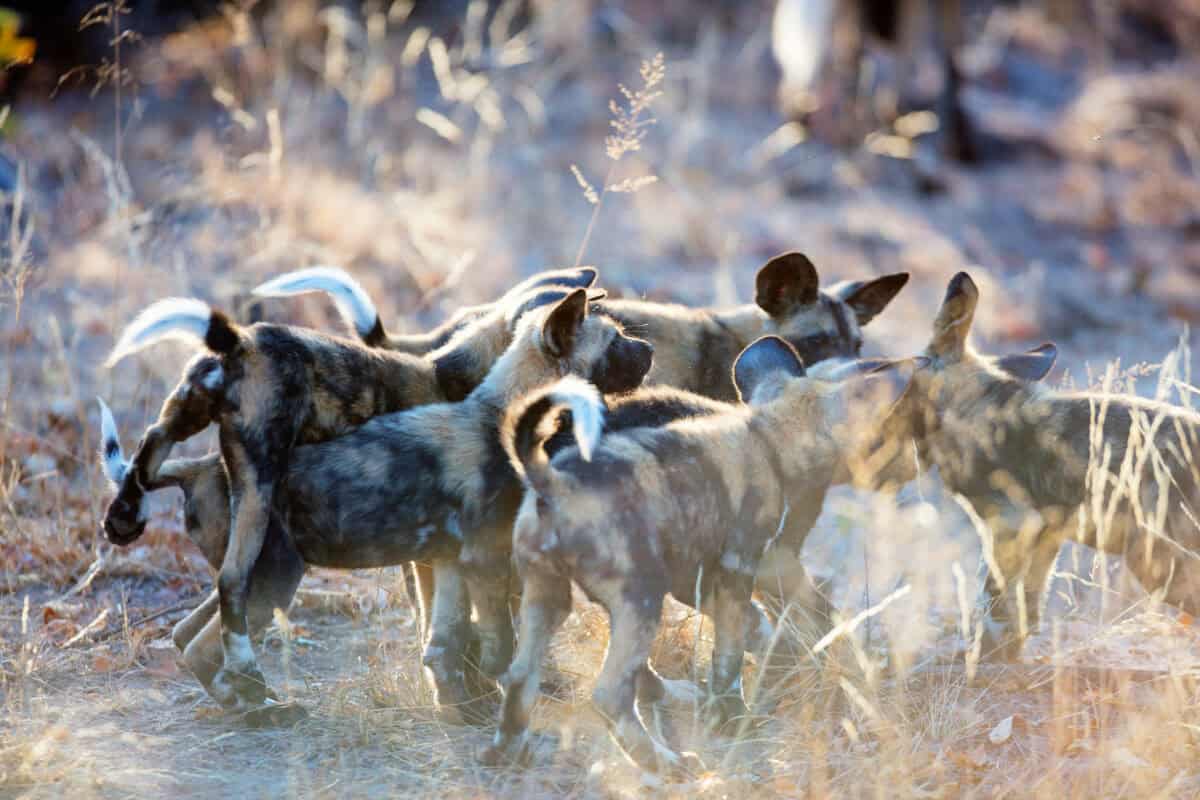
{"x": 121, "y": 525}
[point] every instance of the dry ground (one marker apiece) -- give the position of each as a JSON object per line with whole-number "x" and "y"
{"x": 438, "y": 171}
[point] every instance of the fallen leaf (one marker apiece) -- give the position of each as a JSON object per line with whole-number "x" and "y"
{"x": 1002, "y": 732}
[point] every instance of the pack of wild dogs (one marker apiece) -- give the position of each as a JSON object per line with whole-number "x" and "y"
{"x": 633, "y": 448}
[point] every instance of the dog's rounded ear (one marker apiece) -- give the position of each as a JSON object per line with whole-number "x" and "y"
{"x": 764, "y": 356}
{"x": 953, "y": 321}
{"x": 867, "y": 298}
{"x": 1030, "y": 366}
{"x": 786, "y": 283}
{"x": 562, "y": 324}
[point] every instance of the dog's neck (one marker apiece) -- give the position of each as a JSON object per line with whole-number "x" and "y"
{"x": 515, "y": 374}
{"x": 797, "y": 432}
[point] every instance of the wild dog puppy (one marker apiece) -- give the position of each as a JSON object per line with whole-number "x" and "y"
{"x": 428, "y": 483}
{"x": 358, "y": 311}
{"x": 695, "y": 349}
{"x": 1117, "y": 472}
{"x": 276, "y": 572}
{"x": 633, "y": 515}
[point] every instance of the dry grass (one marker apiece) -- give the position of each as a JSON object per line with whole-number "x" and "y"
{"x": 437, "y": 169}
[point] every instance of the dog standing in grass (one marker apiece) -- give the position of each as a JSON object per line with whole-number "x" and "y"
{"x": 1118, "y": 473}
{"x": 687, "y": 508}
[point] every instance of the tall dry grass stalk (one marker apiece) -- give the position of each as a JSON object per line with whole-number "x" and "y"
{"x": 630, "y": 120}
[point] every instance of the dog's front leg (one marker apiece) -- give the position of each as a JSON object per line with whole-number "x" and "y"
{"x": 545, "y": 604}
{"x": 185, "y": 412}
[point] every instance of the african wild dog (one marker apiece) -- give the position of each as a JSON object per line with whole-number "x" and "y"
{"x": 695, "y": 347}
{"x": 428, "y": 483}
{"x": 685, "y": 508}
{"x": 1117, "y": 472}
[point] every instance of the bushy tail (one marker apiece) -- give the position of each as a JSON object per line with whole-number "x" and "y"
{"x": 348, "y": 295}
{"x": 112, "y": 458}
{"x": 176, "y": 318}
{"x": 524, "y": 435}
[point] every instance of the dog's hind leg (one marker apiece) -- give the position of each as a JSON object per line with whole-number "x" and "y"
{"x": 190, "y": 626}
{"x": 734, "y": 615}
{"x": 254, "y": 464}
{"x": 634, "y": 617}
{"x": 545, "y": 604}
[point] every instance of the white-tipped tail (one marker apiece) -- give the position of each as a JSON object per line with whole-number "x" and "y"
{"x": 173, "y": 318}
{"x": 111, "y": 456}
{"x": 587, "y": 411}
{"x": 351, "y": 299}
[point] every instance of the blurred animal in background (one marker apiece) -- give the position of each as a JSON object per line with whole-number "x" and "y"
{"x": 821, "y": 48}
{"x": 1115, "y": 471}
